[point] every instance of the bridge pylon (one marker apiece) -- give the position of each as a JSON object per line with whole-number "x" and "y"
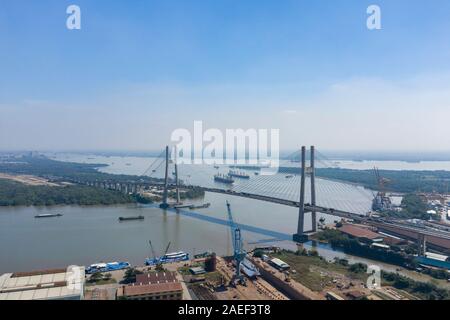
{"x": 302, "y": 236}
{"x": 165, "y": 204}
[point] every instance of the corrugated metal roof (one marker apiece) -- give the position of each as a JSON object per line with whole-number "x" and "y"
{"x": 152, "y": 288}
{"x": 36, "y": 285}
{"x": 358, "y": 232}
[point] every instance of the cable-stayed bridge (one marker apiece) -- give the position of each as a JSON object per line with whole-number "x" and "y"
{"x": 296, "y": 186}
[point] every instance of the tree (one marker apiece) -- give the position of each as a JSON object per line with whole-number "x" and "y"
{"x": 258, "y": 253}
{"x": 95, "y": 277}
{"x": 130, "y": 275}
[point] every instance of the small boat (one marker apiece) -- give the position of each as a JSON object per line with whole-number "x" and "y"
{"x": 48, "y": 215}
{"x": 128, "y": 164}
{"x": 107, "y": 267}
{"x": 289, "y": 176}
{"x": 216, "y": 167}
{"x": 131, "y": 218}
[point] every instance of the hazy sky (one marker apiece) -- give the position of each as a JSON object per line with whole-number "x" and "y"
{"x": 137, "y": 70}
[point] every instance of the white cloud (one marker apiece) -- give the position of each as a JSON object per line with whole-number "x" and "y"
{"x": 358, "y": 113}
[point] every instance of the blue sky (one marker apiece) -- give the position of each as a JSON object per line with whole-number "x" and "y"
{"x": 139, "y": 69}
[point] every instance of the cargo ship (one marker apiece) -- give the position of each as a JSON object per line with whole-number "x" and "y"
{"x": 223, "y": 178}
{"x": 239, "y": 175}
{"x": 107, "y": 267}
{"x": 48, "y": 215}
{"x": 168, "y": 258}
{"x": 131, "y": 218}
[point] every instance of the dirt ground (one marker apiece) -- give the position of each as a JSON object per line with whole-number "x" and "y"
{"x": 29, "y": 180}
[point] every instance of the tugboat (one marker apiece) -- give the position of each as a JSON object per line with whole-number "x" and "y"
{"x": 223, "y": 178}
{"x": 237, "y": 174}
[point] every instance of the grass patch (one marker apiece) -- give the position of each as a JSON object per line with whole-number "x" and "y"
{"x": 315, "y": 272}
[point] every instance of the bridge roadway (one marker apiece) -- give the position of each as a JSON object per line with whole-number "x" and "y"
{"x": 401, "y": 225}
{"x": 339, "y": 213}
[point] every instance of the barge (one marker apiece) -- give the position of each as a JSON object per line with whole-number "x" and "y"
{"x": 48, "y": 215}
{"x": 131, "y": 218}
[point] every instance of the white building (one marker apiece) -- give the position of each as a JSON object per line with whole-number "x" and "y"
{"x": 62, "y": 284}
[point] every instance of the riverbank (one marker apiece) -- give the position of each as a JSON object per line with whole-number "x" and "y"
{"x": 13, "y": 193}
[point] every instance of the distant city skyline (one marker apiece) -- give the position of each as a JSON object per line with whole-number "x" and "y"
{"x": 136, "y": 72}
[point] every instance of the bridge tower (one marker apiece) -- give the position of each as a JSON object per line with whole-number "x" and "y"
{"x": 164, "y": 204}
{"x": 177, "y": 181}
{"x": 301, "y": 235}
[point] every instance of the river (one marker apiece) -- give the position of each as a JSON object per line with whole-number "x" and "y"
{"x": 86, "y": 235}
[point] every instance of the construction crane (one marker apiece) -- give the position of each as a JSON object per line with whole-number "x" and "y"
{"x": 238, "y": 253}
{"x": 381, "y": 202}
{"x": 159, "y": 262}
{"x": 153, "y": 250}
{"x": 167, "y": 249}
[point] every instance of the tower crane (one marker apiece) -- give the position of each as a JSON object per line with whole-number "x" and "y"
{"x": 381, "y": 202}
{"x": 238, "y": 252}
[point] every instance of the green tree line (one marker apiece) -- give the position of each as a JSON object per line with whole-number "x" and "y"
{"x": 17, "y": 194}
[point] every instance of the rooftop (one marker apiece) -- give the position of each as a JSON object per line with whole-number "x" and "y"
{"x": 43, "y": 285}
{"x": 136, "y": 290}
{"x": 358, "y": 232}
{"x": 155, "y": 277}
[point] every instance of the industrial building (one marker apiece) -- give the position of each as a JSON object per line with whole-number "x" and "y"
{"x": 152, "y": 286}
{"x": 197, "y": 270}
{"x": 361, "y": 233}
{"x": 434, "y": 260}
{"x": 155, "y": 291}
{"x": 155, "y": 278}
{"x": 59, "y": 284}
